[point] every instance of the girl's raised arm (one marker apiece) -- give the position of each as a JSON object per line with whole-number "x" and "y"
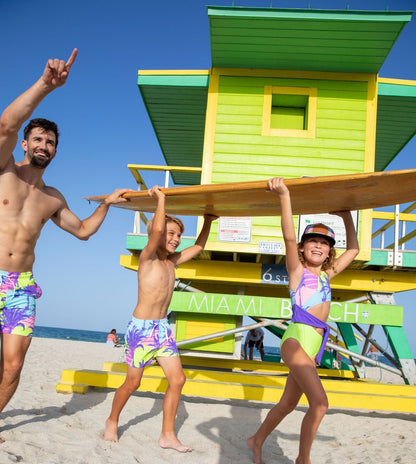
{"x": 352, "y": 250}
{"x": 293, "y": 265}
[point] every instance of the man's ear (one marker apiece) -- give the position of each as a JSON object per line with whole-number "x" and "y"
{"x": 24, "y": 145}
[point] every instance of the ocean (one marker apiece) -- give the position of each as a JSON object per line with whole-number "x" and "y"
{"x": 101, "y": 337}
{"x": 71, "y": 334}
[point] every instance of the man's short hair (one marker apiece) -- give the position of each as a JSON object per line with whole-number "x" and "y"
{"x": 44, "y": 124}
{"x": 168, "y": 218}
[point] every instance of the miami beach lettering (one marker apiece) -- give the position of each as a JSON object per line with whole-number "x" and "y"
{"x": 281, "y": 308}
{"x": 239, "y": 305}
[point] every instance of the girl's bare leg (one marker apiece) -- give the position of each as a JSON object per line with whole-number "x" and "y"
{"x": 287, "y": 404}
{"x": 302, "y": 378}
{"x": 304, "y": 372}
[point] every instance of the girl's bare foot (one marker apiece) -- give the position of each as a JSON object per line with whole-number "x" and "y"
{"x": 255, "y": 449}
{"x": 170, "y": 441}
{"x": 110, "y": 431}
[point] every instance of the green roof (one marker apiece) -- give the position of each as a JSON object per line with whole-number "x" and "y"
{"x": 326, "y": 40}
{"x": 303, "y": 39}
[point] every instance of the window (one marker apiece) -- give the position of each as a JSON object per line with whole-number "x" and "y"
{"x": 289, "y": 111}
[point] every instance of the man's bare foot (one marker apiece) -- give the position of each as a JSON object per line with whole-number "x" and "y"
{"x": 170, "y": 441}
{"x": 255, "y": 449}
{"x": 110, "y": 432}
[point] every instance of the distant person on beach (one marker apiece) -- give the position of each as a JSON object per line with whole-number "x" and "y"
{"x": 373, "y": 352}
{"x": 310, "y": 265}
{"x": 26, "y": 204}
{"x": 254, "y": 338}
{"x": 113, "y": 339}
{"x": 148, "y": 334}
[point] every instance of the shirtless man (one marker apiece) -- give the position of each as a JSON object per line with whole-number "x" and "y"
{"x": 26, "y": 204}
{"x": 148, "y": 334}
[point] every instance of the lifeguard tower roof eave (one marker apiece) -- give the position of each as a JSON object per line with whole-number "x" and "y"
{"x": 396, "y": 119}
{"x": 303, "y": 39}
{"x": 176, "y": 102}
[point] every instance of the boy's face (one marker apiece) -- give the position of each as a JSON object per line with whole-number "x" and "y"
{"x": 173, "y": 236}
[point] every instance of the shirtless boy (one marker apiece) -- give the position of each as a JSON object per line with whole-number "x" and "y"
{"x": 148, "y": 334}
{"x": 26, "y": 204}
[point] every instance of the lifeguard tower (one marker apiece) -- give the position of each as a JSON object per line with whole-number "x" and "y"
{"x": 290, "y": 93}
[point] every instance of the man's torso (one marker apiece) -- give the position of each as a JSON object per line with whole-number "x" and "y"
{"x": 24, "y": 210}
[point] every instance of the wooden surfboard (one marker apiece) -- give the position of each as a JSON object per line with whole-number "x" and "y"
{"x": 310, "y": 195}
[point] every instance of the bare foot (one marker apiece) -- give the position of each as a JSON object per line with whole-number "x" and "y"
{"x": 256, "y": 450}
{"x": 2, "y": 440}
{"x": 110, "y": 432}
{"x": 170, "y": 441}
{"x": 302, "y": 461}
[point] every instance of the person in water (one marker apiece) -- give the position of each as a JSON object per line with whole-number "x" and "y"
{"x": 311, "y": 264}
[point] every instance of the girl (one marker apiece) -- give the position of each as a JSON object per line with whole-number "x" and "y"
{"x": 310, "y": 265}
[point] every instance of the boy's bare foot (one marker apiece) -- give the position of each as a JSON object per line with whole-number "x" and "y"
{"x": 170, "y": 441}
{"x": 110, "y": 431}
{"x": 256, "y": 450}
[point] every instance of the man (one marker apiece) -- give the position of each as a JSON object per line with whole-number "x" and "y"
{"x": 26, "y": 204}
{"x": 373, "y": 352}
{"x": 254, "y": 338}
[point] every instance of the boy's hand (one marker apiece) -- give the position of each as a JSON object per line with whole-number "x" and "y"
{"x": 156, "y": 193}
{"x": 277, "y": 185}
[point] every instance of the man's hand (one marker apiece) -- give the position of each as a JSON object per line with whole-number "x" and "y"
{"x": 117, "y": 197}
{"x": 56, "y": 71}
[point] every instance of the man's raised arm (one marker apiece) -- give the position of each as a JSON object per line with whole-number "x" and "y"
{"x": 54, "y": 75}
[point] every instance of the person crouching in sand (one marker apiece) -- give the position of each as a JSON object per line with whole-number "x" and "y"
{"x": 148, "y": 334}
{"x": 310, "y": 265}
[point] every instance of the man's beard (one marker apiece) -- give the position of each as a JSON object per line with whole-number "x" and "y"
{"x": 39, "y": 163}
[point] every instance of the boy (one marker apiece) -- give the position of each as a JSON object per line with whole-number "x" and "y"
{"x": 148, "y": 334}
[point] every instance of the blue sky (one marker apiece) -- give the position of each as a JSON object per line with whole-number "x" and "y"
{"x": 104, "y": 126}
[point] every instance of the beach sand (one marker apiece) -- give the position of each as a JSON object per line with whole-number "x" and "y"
{"x": 42, "y": 426}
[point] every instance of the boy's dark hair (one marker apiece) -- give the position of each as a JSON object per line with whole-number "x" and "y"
{"x": 168, "y": 218}
{"x": 44, "y": 124}
{"x": 328, "y": 263}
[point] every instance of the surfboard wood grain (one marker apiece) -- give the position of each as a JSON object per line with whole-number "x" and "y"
{"x": 310, "y": 195}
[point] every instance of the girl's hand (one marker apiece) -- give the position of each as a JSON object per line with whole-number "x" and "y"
{"x": 277, "y": 185}
{"x": 341, "y": 214}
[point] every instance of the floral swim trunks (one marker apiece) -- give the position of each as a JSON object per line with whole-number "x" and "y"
{"x": 147, "y": 339}
{"x": 18, "y": 292}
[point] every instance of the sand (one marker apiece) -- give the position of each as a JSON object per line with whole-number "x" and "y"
{"x": 42, "y": 426}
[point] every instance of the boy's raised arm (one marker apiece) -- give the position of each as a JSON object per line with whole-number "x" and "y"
{"x": 158, "y": 223}
{"x": 192, "y": 251}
